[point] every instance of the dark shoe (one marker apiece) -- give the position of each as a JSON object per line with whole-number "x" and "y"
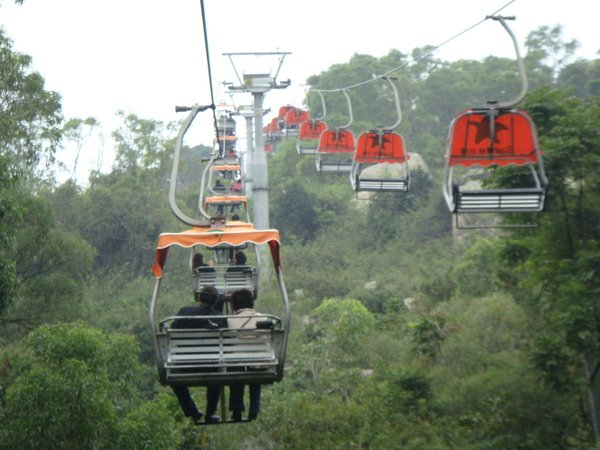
{"x": 252, "y": 415}
{"x": 197, "y": 419}
{"x": 213, "y": 418}
{"x": 236, "y": 416}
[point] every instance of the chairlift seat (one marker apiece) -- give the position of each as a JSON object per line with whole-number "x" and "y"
{"x": 308, "y": 136}
{"x": 381, "y": 185}
{"x": 335, "y": 150}
{"x": 292, "y": 120}
{"x": 200, "y": 357}
{"x": 509, "y": 140}
{"x": 380, "y": 147}
{"x": 227, "y": 281}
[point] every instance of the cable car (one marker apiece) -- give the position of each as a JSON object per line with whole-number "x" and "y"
{"x": 309, "y": 132}
{"x": 495, "y": 136}
{"x": 292, "y": 120}
{"x": 488, "y": 137}
{"x": 229, "y": 173}
{"x": 227, "y": 206}
{"x": 202, "y": 357}
{"x": 307, "y": 141}
{"x": 272, "y": 131}
{"x": 380, "y": 161}
{"x": 336, "y": 147}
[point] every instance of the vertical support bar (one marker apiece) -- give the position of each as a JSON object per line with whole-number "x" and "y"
{"x": 260, "y": 179}
{"x": 248, "y": 160}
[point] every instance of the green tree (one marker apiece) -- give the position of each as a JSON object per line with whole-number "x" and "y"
{"x": 71, "y": 386}
{"x": 561, "y": 258}
{"x": 31, "y": 116}
{"x": 29, "y": 136}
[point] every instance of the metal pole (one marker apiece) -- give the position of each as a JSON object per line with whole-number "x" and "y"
{"x": 260, "y": 179}
{"x": 249, "y": 155}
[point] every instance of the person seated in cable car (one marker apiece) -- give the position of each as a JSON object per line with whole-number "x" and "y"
{"x": 236, "y": 186}
{"x": 219, "y": 187}
{"x": 242, "y": 303}
{"x": 240, "y": 263}
{"x": 199, "y": 266}
{"x": 207, "y": 298}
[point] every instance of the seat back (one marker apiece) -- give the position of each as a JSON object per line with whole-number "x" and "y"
{"x": 227, "y": 281}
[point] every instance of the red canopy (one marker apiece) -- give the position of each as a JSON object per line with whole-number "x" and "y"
{"x": 311, "y": 129}
{"x": 296, "y": 116}
{"x": 283, "y": 110}
{"x": 234, "y": 235}
{"x": 272, "y": 127}
{"x": 515, "y": 139}
{"x": 336, "y": 141}
{"x": 380, "y": 147}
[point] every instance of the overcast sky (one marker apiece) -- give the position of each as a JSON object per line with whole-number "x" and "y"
{"x": 146, "y": 56}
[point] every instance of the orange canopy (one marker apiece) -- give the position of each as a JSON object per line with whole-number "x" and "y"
{"x": 380, "y": 147}
{"x": 225, "y": 199}
{"x": 234, "y": 235}
{"x": 514, "y": 141}
{"x": 225, "y": 167}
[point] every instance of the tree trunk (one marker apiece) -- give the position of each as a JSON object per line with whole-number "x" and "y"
{"x": 593, "y": 397}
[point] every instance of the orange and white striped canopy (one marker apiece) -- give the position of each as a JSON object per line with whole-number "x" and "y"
{"x": 235, "y": 234}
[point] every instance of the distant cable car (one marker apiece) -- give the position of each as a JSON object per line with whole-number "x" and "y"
{"x": 227, "y": 206}
{"x": 307, "y": 141}
{"x": 308, "y": 136}
{"x": 272, "y": 131}
{"x": 380, "y": 162}
{"x": 336, "y": 146}
{"x": 292, "y": 120}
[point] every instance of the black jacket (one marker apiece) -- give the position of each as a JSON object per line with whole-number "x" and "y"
{"x": 199, "y": 310}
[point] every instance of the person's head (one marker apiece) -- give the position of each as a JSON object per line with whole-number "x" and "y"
{"x": 198, "y": 260}
{"x": 235, "y": 217}
{"x": 240, "y": 258}
{"x": 218, "y": 182}
{"x": 241, "y": 299}
{"x": 208, "y": 295}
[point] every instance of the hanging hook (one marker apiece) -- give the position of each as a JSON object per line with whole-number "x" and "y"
{"x": 521, "y": 64}
{"x": 193, "y": 111}
{"x": 350, "y": 116}
{"x": 397, "y": 100}
{"x": 322, "y": 116}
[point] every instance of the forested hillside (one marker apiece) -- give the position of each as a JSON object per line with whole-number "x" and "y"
{"x": 406, "y": 332}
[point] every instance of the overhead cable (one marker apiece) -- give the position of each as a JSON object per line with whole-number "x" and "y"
{"x": 212, "y": 95}
{"x": 421, "y": 56}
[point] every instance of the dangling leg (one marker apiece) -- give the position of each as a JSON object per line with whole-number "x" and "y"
{"x": 255, "y": 390}
{"x": 187, "y": 403}
{"x": 212, "y": 401}
{"x": 236, "y": 401}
